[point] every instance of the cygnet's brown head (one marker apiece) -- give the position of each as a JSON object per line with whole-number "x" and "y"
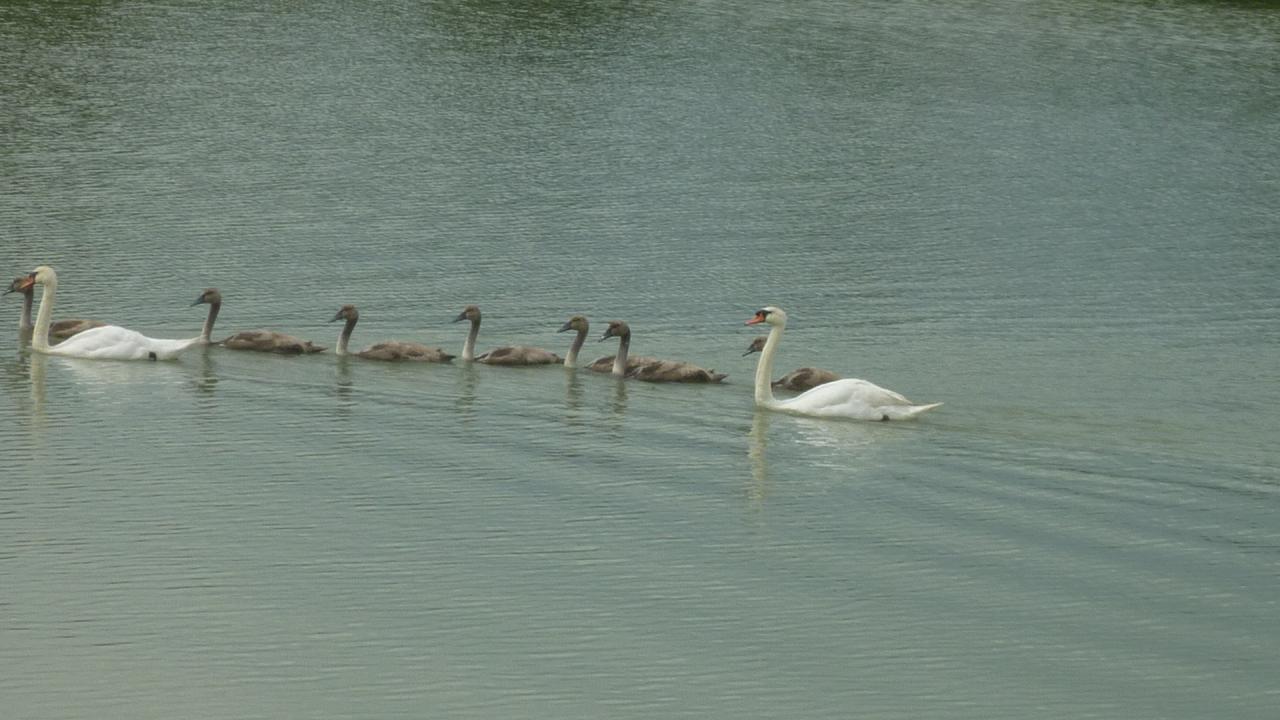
{"x": 22, "y": 284}
{"x": 756, "y": 345}
{"x": 346, "y": 312}
{"x": 210, "y": 296}
{"x": 577, "y": 322}
{"x": 617, "y": 329}
{"x": 470, "y": 312}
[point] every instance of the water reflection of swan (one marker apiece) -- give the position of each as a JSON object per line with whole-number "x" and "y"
{"x": 467, "y": 393}
{"x": 573, "y": 397}
{"x": 837, "y": 436}
{"x": 346, "y": 384}
{"x": 207, "y": 381}
{"x": 849, "y": 398}
{"x": 115, "y": 378}
{"x": 757, "y": 439}
{"x": 39, "y": 365}
{"x": 844, "y": 447}
{"x": 613, "y": 422}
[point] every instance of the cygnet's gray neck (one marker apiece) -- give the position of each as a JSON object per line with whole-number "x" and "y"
{"x": 571, "y": 360}
{"x": 344, "y": 337}
{"x": 469, "y": 347}
{"x": 207, "y": 332}
{"x": 620, "y": 360}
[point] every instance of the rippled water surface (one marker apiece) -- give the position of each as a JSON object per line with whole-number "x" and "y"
{"x": 1058, "y": 218}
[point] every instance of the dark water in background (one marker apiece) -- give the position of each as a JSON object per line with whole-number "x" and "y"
{"x": 1058, "y": 218}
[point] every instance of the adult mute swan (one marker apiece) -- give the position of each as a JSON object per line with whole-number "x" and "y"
{"x": 580, "y": 324}
{"x": 108, "y": 342}
{"x": 654, "y": 370}
{"x": 58, "y": 329}
{"x": 798, "y": 380}
{"x": 254, "y": 340}
{"x": 507, "y": 355}
{"x": 847, "y": 398}
{"x": 389, "y": 350}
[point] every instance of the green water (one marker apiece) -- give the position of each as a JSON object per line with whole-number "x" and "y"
{"x": 1058, "y": 218}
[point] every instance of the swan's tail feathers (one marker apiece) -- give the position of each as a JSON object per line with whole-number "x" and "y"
{"x": 169, "y": 349}
{"x": 310, "y": 347}
{"x": 913, "y": 411}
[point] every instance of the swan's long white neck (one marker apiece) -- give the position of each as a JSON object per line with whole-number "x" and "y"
{"x": 344, "y": 337}
{"x": 44, "y": 318}
{"x": 764, "y": 368}
{"x": 571, "y": 360}
{"x": 207, "y": 330}
{"x": 469, "y": 347}
{"x": 620, "y": 360}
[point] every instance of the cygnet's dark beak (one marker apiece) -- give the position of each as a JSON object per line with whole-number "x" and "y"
{"x": 566, "y": 326}
{"x": 461, "y": 316}
{"x": 749, "y": 351}
{"x": 21, "y": 284}
{"x": 336, "y": 317}
{"x": 198, "y": 301}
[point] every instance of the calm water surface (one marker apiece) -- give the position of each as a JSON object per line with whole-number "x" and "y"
{"x": 1059, "y": 218}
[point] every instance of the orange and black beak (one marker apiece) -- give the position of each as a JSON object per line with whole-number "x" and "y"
{"x": 757, "y": 318}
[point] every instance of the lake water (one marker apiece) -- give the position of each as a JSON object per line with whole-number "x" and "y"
{"x": 1059, "y": 218}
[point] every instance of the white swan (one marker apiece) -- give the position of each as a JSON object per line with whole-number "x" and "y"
{"x": 847, "y": 398}
{"x": 109, "y": 342}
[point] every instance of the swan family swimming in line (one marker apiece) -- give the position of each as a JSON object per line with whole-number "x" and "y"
{"x": 822, "y": 393}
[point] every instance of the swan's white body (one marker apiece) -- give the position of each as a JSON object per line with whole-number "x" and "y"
{"x": 848, "y": 398}
{"x": 109, "y": 342}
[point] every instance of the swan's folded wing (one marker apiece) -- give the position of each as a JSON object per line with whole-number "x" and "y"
{"x": 112, "y": 342}
{"x": 397, "y": 350}
{"x": 518, "y": 355}
{"x": 849, "y": 393}
{"x": 873, "y": 394}
{"x": 106, "y": 341}
{"x": 165, "y": 349}
{"x": 63, "y": 329}
{"x": 674, "y": 371}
